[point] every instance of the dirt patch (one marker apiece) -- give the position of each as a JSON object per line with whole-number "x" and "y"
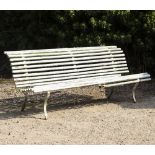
{"x": 78, "y": 116}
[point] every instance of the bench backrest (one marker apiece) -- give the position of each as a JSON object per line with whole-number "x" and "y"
{"x": 40, "y": 67}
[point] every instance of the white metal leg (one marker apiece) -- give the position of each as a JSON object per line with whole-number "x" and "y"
{"x": 133, "y": 92}
{"x": 45, "y": 104}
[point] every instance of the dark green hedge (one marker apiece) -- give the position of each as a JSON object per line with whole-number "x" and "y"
{"x": 133, "y": 31}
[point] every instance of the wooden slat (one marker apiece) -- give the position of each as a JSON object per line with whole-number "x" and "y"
{"x": 59, "y": 68}
{"x": 95, "y": 69}
{"x": 82, "y": 82}
{"x": 58, "y": 52}
{"x": 130, "y": 77}
{"x": 126, "y": 82}
{"x": 72, "y": 84}
{"x": 68, "y": 72}
{"x": 67, "y": 77}
{"x": 82, "y": 63}
{"x": 75, "y": 84}
{"x": 81, "y": 76}
{"x": 67, "y": 53}
{"x": 63, "y": 55}
{"x": 38, "y": 82}
{"x": 60, "y": 78}
{"x": 32, "y": 74}
{"x": 127, "y": 79}
{"x": 49, "y": 76}
{"x": 66, "y": 60}
{"x": 105, "y": 54}
{"x": 65, "y": 66}
{"x": 60, "y": 49}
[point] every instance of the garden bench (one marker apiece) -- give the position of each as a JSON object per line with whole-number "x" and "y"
{"x": 48, "y": 70}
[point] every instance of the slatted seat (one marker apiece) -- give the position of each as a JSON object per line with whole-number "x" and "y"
{"x": 54, "y": 69}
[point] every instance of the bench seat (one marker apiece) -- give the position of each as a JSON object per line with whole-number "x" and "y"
{"x": 107, "y": 82}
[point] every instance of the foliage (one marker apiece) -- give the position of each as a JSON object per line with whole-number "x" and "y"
{"x": 133, "y": 31}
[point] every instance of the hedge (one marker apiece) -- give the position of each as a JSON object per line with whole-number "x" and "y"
{"x": 133, "y": 31}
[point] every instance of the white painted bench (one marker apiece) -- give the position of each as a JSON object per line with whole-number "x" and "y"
{"x": 54, "y": 69}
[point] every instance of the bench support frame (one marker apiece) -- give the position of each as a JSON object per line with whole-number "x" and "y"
{"x": 45, "y": 104}
{"x": 133, "y": 91}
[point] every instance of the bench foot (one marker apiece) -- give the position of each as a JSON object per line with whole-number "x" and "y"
{"x": 45, "y": 105}
{"x": 133, "y": 92}
{"x": 25, "y": 101}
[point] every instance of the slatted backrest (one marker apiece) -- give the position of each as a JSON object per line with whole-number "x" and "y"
{"x": 40, "y": 67}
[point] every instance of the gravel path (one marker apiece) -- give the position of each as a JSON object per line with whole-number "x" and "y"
{"x": 78, "y": 116}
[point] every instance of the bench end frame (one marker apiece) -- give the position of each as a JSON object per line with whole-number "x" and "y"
{"x": 45, "y": 104}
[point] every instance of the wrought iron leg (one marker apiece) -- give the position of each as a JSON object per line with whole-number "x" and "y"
{"x": 25, "y": 101}
{"x": 45, "y": 104}
{"x": 133, "y": 91}
{"x": 110, "y": 94}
